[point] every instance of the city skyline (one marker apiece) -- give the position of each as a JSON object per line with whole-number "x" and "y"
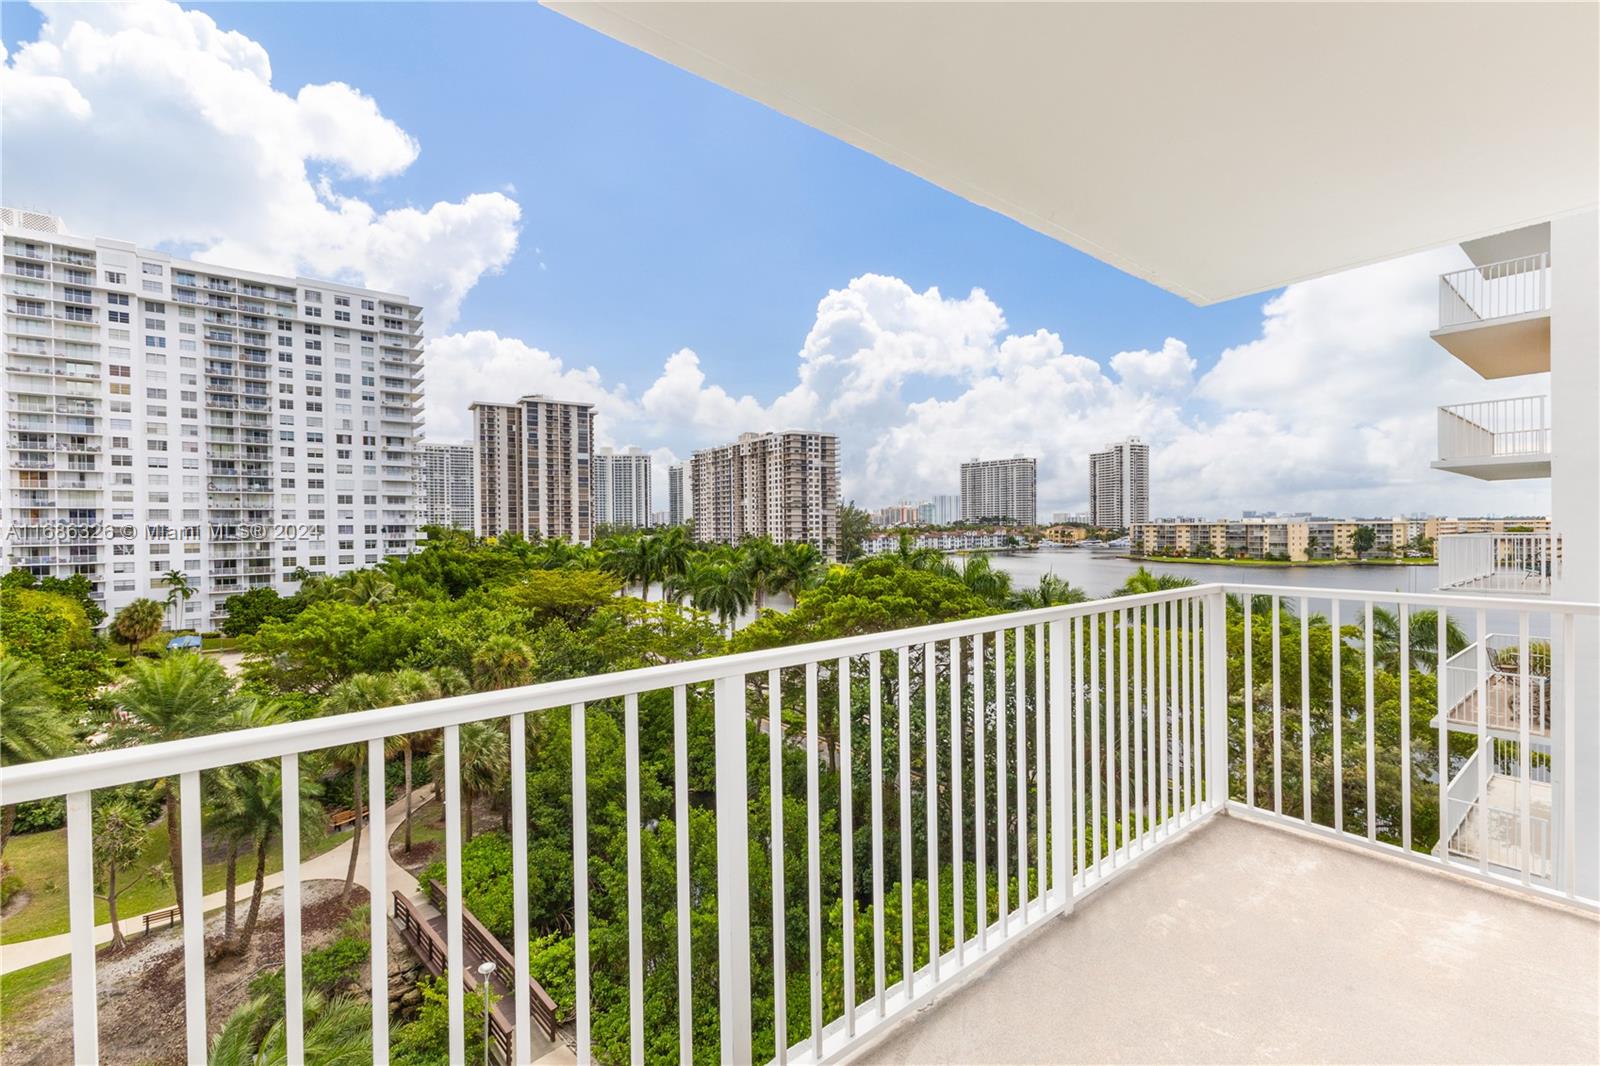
{"x": 916, "y": 344}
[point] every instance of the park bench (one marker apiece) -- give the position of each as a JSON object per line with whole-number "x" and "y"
{"x": 169, "y": 916}
{"x": 339, "y": 819}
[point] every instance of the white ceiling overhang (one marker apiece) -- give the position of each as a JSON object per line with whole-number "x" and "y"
{"x": 1215, "y": 150}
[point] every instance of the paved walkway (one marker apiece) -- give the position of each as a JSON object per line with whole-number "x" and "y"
{"x": 329, "y": 866}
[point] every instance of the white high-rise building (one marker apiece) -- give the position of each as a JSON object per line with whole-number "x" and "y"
{"x": 622, "y": 488}
{"x": 1004, "y": 490}
{"x": 165, "y": 414}
{"x": 779, "y": 485}
{"x": 533, "y": 474}
{"x": 1119, "y": 484}
{"x": 446, "y": 494}
{"x": 946, "y": 510}
{"x": 680, "y": 495}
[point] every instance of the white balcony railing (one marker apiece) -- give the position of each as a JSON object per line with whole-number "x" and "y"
{"x": 1058, "y": 746}
{"x": 1489, "y": 428}
{"x": 1522, "y": 563}
{"x": 1509, "y": 287}
{"x": 1500, "y": 808}
{"x": 1498, "y": 670}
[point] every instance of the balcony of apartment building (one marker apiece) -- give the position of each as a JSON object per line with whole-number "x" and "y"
{"x": 1520, "y": 563}
{"x": 1499, "y": 810}
{"x": 1496, "y": 440}
{"x": 1495, "y": 315}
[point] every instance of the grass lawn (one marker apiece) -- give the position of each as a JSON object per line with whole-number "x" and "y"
{"x": 427, "y": 827}
{"x": 39, "y": 860}
{"x": 20, "y": 988}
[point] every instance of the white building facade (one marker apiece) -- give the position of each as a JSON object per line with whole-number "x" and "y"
{"x": 1119, "y": 484}
{"x": 1000, "y": 490}
{"x": 622, "y": 494}
{"x": 445, "y": 471}
{"x": 680, "y": 495}
{"x": 164, "y": 414}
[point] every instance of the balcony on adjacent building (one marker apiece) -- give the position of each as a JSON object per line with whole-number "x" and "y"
{"x": 1495, "y": 317}
{"x": 1499, "y": 810}
{"x": 1487, "y": 673}
{"x": 1522, "y": 563}
{"x": 1496, "y": 440}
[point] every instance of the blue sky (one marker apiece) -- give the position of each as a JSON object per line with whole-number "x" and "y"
{"x": 670, "y": 212}
{"x": 582, "y": 218}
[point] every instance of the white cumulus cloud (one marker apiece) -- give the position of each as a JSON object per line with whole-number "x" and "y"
{"x": 211, "y": 158}
{"x": 1330, "y": 408}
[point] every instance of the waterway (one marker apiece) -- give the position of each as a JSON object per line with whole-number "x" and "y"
{"x": 1099, "y": 573}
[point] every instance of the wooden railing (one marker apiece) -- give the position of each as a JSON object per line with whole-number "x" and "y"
{"x": 478, "y": 940}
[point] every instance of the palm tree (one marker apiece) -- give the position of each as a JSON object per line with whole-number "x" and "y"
{"x": 119, "y": 836}
{"x": 32, "y": 727}
{"x": 138, "y": 622}
{"x": 720, "y": 586}
{"x": 633, "y": 559}
{"x": 179, "y": 590}
{"x": 799, "y": 568}
{"x": 1142, "y": 581}
{"x": 980, "y": 576}
{"x": 759, "y": 558}
{"x": 909, "y": 555}
{"x": 362, "y": 692}
{"x": 673, "y": 550}
{"x": 366, "y": 588}
{"x": 1423, "y": 639}
{"x": 1052, "y": 591}
{"x": 226, "y": 816}
{"x": 256, "y": 799}
{"x": 502, "y": 661}
{"x": 170, "y": 698}
{"x": 338, "y": 1032}
{"x": 414, "y": 686}
{"x": 485, "y": 753}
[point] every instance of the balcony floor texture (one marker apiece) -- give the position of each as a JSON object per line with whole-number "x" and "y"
{"x": 1245, "y": 943}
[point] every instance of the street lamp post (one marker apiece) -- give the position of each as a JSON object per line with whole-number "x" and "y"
{"x": 485, "y": 971}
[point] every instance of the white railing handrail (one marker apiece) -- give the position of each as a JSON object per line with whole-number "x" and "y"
{"x": 1515, "y": 286}
{"x": 114, "y": 767}
{"x": 1454, "y": 408}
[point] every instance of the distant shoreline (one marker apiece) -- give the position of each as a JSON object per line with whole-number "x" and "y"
{"x": 1278, "y": 562}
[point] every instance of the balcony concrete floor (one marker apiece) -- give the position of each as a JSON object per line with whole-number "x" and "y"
{"x": 1246, "y": 943}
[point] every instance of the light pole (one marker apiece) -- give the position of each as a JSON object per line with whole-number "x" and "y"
{"x": 485, "y": 971}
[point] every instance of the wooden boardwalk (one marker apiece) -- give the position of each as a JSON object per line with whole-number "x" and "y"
{"x": 423, "y": 927}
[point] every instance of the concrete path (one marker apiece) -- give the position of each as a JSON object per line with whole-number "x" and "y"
{"x": 329, "y": 866}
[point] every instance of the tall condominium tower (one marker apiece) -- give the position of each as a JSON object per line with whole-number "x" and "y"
{"x": 533, "y": 468}
{"x": 1119, "y": 484}
{"x": 446, "y": 476}
{"x": 680, "y": 499}
{"x": 622, "y": 488}
{"x": 946, "y": 510}
{"x": 1003, "y": 489}
{"x": 779, "y": 485}
{"x": 166, "y": 414}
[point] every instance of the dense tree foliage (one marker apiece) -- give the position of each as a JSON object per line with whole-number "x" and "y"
{"x": 466, "y": 614}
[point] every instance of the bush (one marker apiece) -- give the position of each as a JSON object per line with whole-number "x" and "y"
{"x": 322, "y": 970}
{"x": 36, "y": 816}
{"x": 325, "y": 969}
{"x": 10, "y": 885}
{"x": 485, "y": 880}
